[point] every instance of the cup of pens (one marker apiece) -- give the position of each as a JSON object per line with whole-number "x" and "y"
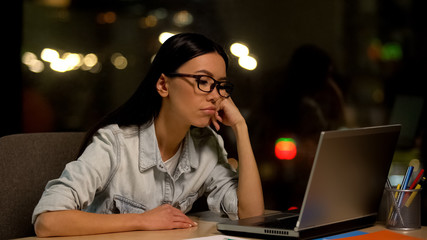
{"x": 404, "y": 203}
{"x": 404, "y": 214}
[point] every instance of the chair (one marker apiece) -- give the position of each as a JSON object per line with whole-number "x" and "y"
{"x": 27, "y": 163}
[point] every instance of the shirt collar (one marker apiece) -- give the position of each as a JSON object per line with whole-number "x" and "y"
{"x": 149, "y": 154}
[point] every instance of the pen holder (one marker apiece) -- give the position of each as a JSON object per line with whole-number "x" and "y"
{"x": 403, "y": 209}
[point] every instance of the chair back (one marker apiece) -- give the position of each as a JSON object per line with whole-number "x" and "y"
{"x": 27, "y": 163}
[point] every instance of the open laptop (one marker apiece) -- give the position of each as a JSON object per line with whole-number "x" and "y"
{"x": 344, "y": 190}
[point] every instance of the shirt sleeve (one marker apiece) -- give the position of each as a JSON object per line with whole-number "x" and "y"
{"x": 82, "y": 179}
{"x": 221, "y": 185}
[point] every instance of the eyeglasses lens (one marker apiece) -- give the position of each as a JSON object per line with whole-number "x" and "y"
{"x": 207, "y": 84}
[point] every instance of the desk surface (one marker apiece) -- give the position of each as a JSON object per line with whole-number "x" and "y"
{"x": 206, "y": 227}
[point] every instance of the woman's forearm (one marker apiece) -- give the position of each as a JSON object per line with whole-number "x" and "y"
{"x": 249, "y": 192}
{"x": 75, "y": 222}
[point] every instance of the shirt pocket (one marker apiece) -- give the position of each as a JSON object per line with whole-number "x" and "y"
{"x": 186, "y": 204}
{"x": 125, "y": 205}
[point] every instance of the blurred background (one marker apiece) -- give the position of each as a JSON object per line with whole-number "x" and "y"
{"x": 299, "y": 67}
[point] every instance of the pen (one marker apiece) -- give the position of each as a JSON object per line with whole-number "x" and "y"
{"x": 417, "y": 179}
{"x": 397, "y": 188}
{"x": 415, "y": 183}
{"x": 404, "y": 184}
{"x": 407, "y": 177}
{"x": 411, "y": 198}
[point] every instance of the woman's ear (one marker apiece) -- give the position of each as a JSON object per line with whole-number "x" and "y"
{"x": 162, "y": 86}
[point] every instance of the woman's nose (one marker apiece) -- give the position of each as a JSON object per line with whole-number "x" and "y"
{"x": 214, "y": 95}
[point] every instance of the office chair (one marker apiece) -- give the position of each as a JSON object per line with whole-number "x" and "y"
{"x": 27, "y": 163}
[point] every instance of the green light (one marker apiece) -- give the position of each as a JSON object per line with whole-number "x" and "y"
{"x": 391, "y": 52}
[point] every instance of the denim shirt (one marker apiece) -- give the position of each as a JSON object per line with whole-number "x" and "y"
{"x": 121, "y": 171}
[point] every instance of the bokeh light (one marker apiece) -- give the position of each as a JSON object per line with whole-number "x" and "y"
{"x": 285, "y": 149}
{"x": 248, "y": 62}
{"x": 239, "y": 49}
{"x": 183, "y": 18}
{"x": 119, "y": 61}
{"x": 165, "y": 36}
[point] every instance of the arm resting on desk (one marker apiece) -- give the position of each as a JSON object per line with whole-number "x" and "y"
{"x": 75, "y": 222}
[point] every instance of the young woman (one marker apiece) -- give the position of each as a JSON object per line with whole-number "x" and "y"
{"x": 155, "y": 155}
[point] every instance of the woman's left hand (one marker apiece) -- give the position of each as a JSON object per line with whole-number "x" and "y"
{"x": 227, "y": 113}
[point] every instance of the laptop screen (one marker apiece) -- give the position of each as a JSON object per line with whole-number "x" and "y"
{"x": 348, "y": 175}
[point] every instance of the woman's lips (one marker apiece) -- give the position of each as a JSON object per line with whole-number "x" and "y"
{"x": 209, "y": 111}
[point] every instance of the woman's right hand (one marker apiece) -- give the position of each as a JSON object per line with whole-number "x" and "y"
{"x": 165, "y": 217}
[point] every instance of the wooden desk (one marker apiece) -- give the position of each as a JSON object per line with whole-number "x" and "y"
{"x": 207, "y": 227}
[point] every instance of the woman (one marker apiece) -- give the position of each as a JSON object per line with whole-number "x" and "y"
{"x": 155, "y": 155}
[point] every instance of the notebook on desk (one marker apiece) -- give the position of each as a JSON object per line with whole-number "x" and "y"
{"x": 344, "y": 190}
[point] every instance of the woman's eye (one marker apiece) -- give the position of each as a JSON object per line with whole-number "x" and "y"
{"x": 203, "y": 81}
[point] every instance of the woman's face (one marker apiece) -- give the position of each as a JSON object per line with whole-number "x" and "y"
{"x": 185, "y": 101}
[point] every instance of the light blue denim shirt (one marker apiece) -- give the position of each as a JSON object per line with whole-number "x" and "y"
{"x": 122, "y": 171}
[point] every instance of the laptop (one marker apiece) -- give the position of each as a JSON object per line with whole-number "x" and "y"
{"x": 344, "y": 189}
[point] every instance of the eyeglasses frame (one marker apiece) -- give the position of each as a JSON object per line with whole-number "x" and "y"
{"x": 197, "y": 77}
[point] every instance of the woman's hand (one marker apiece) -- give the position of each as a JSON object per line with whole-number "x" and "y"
{"x": 227, "y": 113}
{"x": 76, "y": 222}
{"x": 165, "y": 217}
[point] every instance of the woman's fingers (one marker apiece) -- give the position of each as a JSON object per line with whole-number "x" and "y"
{"x": 166, "y": 217}
{"x": 227, "y": 113}
{"x": 182, "y": 221}
{"x": 215, "y": 121}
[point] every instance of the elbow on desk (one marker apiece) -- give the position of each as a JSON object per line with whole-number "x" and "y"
{"x": 250, "y": 212}
{"x": 42, "y": 226}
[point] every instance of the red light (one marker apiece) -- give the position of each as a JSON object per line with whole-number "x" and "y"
{"x": 285, "y": 149}
{"x": 292, "y": 208}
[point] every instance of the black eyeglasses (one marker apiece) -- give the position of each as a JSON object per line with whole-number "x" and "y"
{"x": 207, "y": 83}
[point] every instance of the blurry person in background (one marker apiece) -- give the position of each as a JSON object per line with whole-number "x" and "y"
{"x": 302, "y": 101}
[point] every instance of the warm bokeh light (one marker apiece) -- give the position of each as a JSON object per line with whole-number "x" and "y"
{"x": 33, "y": 64}
{"x": 106, "y": 18}
{"x": 285, "y": 149}
{"x": 119, "y": 61}
{"x": 28, "y": 57}
{"x": 49, "y": 55}
{"x": 59, "y": 65}
{"x": 248, "y": 62}
{"x": 165, "y": 36}
{"x": 36, "y": 66}
{"x": 67, "y": 62}
{"x": 90, "y": 60}
{"x": 72, "y": 60}
{"x": 148, "y": 22}
{"x": 239, "y": 50}
{"x": 183, "y": 18}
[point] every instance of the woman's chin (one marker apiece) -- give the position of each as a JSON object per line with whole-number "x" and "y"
{"x": 202, "y": 124}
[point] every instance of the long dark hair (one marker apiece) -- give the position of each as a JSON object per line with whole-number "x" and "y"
{"x": 144, "y": 105}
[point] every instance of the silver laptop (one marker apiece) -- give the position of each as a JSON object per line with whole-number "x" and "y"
{"x": 344, "y": 190}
